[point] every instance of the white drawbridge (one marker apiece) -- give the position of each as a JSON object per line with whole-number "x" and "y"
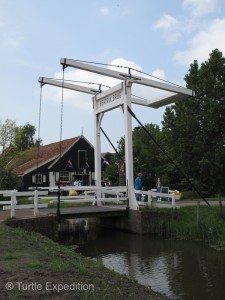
{"x": 118, "y": 96}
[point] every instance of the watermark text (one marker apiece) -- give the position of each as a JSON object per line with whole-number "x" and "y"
{"x": 49, "y": 286}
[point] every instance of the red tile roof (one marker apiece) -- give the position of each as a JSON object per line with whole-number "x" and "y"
{"x": 30, "y": 159}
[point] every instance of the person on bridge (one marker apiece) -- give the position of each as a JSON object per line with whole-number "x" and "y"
{"x": 138, "y": 186}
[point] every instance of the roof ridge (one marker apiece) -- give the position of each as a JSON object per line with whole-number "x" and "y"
{"x": 74, "y": 138}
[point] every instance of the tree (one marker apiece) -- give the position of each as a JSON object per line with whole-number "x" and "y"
{"x": 7, "y": 133}
{"x": 24, "y": 137}
{"x": 111, "y": 172}
{"x": 8, "y": 180}
{"x": 194, "y": 129}
{"x": 147, "y": 156}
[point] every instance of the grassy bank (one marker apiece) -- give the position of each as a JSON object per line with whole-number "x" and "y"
{"x": 33, "y": 266}
{"x": 195, "y": 223}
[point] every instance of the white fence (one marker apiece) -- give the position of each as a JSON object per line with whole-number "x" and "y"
{"x": 173, "y": 196}
{"x": 12, "y": 204}
{"x": 96, "y": 195}
{"x": 119, "y": 193}
{"x": 90, "y": 194}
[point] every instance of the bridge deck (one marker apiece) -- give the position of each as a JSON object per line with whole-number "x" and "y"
{"x": 73, "y": 212}
{"x": 87, "y": 211}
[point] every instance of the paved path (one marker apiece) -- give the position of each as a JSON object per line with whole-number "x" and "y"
{"x": 20, "y": 213}
{"x": 195, "y": 203}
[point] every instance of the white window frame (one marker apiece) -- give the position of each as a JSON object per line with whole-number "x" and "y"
{"x": 85, "y": 158}
{"x": 63, "y": 175}
{"x": 38, "y": 178}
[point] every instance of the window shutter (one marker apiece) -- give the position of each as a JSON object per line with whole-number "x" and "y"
{"x": 33, "y": 179}
{"x": 44, "y": 178}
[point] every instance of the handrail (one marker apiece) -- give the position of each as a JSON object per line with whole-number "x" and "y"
{"x": 152, "y": 194}
{"x": 119, "y": 191}
{"x": 14, "y": 193}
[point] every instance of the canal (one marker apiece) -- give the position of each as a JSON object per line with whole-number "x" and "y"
{"x": 179, "y": 269}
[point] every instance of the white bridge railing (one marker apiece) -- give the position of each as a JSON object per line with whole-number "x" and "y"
{"x": 93, "y": 194}
{"x": 89, "y": 194}
{"x": 152, "y": 194}
{"x": 96, "y": 195}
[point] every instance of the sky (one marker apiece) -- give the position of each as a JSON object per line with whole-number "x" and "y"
{"x": 161, "y": 38}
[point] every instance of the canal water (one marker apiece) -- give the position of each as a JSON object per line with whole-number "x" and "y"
{"x": 179, "y": 269}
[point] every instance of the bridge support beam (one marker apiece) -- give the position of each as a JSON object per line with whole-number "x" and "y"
{"x": 119, "y": 96}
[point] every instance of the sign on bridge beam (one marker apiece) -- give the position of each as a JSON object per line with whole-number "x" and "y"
{"x": 110, "y": 99}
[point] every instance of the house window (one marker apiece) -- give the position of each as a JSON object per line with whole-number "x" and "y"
{"x": 82, "y": 158}
{"x": 64, "y": 176}
{"x": 38, "y": 178}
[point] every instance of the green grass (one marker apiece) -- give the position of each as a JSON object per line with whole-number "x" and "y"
{"x": 203, "y": 223}
{"x": 59, "y": 266}
{"x": 36, "y": 265}
{"x": 193, "y": 196}
{"x": 30, "y": 257}
{"x": 10, "y": 256}
{"x": 52, "y": 203}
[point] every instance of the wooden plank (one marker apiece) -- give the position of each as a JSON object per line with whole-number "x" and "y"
{"x": 23, "y": 194}
{"x": 25, "y": 206}
{"x": 5, "y": 202}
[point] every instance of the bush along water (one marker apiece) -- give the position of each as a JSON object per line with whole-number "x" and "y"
{"x": 196, "y": 223}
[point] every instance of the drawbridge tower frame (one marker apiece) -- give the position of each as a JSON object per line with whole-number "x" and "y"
{"x": 119, "y": 96}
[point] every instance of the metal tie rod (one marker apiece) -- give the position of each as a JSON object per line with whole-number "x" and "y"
{"x": 122, "y": 76}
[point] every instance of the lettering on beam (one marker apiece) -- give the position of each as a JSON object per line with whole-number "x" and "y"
{"x": 113, "y": 97}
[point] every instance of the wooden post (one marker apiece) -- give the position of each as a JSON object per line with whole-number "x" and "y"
{"x": 173, "y": 200}
{"x": 13, "y": 203}
{"x": 35, "y": 202}
{"x": 149, "y": 198}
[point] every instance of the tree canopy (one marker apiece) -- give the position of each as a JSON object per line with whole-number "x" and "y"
{"x": 17, "y": 137}
{"x": 7, "y": 133}
{"x": 13, "y": 139}
{"x": 194, "y": 129}
{"x": 192, "y": 134}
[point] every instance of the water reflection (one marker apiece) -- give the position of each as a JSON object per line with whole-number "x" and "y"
{"x": 181, "y": 270}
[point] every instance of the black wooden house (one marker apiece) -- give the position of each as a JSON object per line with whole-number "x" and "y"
{"x": 71, "y": 159}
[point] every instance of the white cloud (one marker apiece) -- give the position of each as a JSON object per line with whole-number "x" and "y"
{"x": 166, "y": 22}
{"x": 200, "y": 7}
{"x": 203, "y": 43}
{"x": 104, "y": 11}
{"x": 159, "y": 73}
{"x": 170, "y": 26}
{"x": 121, "y": 63}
